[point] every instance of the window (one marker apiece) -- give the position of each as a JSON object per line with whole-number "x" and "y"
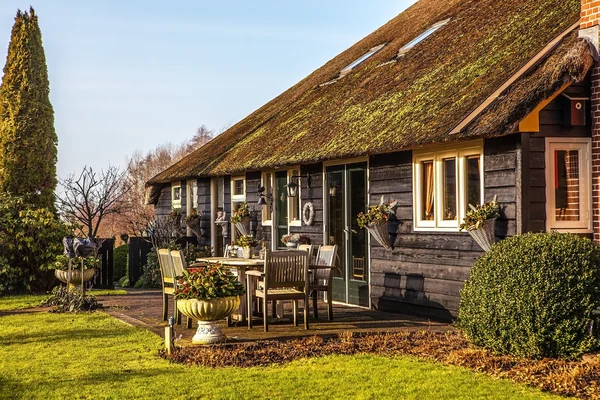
{"x": 446, "y": 181}
{"x": 294, "y": 202}
{"x": 422, "y": 37}
{"x": 176, "y": 195}
{"x": 238, "y": 189}
{"x": 267, "y": 211}
{"x": 568, "y": 184}
{"x": 361, "y": 59}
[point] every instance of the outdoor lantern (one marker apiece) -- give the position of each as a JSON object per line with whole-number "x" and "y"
{"x": 293, "y": 186}
{"x": 292, "y": 189}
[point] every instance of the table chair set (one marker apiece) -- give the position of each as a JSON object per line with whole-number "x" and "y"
{"x": 286, "y": 275}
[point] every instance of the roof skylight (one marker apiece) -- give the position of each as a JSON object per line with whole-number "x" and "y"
{"x": 422, "y": 36}
{"x": 361, "y": 59}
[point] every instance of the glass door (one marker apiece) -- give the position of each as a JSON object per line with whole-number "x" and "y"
{"x": 281, "y": 208}
{"x": 346, "y": 191}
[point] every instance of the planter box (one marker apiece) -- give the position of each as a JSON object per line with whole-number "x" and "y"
{"x": 380, "y": 232}
{"x": 485, "y": 236}
{"x": 243, "y": 227}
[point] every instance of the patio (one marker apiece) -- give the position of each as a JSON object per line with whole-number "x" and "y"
{"x": 143, "y": 308}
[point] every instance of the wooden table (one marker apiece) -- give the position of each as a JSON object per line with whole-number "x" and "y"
{"x": 241, "y": 265}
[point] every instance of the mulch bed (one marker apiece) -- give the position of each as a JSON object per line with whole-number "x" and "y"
{"x": 567, "y": 378}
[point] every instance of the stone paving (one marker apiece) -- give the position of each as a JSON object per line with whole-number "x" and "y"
{"x": 143, "y": 308}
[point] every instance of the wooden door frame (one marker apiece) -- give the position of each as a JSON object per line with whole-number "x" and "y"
{"x": 346, "y": 162}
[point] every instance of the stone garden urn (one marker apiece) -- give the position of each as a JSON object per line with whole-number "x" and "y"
{"x": 76, "y": 276}
{"x": 207, "y": 313}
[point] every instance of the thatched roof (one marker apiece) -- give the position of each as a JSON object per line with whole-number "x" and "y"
{"x": 381, "y": 107}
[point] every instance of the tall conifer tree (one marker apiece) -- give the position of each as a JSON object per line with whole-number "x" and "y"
{"x": 28, "y": 141}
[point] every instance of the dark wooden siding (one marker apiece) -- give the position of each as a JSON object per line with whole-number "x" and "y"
{"x": 163, "y": 206}
{"x": 425, "y": 271}
{"x": 552, "y": 124}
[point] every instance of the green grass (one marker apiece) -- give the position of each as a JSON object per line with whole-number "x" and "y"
{"x": 46, "y": 356}
{"x": 22, "y": 302}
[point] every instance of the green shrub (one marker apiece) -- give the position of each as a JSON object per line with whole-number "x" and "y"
{"x": 151, "y": 278}
{"x": 30, "y": 240}
{"x": 532, "y": 296}
{"x": 120, "y": 262}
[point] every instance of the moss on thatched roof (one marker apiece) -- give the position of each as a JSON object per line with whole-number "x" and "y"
{"x": 381, "y": 107}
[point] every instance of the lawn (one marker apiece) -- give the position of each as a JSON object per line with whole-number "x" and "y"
{"x": 46, "y": 355}
{"x": 8, "y": 303}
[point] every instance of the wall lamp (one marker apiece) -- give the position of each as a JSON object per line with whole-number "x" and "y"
{"x": 293, "y": 185}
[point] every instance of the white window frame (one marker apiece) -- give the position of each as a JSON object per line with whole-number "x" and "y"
{"x": 176, "y": 203}
{"x": 267, "y": 218}
{"x": 584, "y": 146}
{"x": 238, "y": 198}
{"x": 438, "y": 155}
{"x": 297, "y": 199}
{"x": 424, "y": 35}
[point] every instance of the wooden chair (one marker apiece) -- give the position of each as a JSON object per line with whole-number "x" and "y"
{"x": 179, "y": 265}
{"x": 311, "y": 249}
{"x": 285, "y": 277}
{"x": 322, "y": 279}
{"x": 358, "y": 268}
{"x": 167, "y": 272}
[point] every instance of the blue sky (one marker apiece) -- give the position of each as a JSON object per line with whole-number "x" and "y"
{"x": 127, "y": 75}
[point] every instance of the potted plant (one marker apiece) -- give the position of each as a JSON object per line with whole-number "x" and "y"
{"x": 247, "y": 242}
{"x": 480, "y": 222}
{"x": 192, "y": 221}
{"x": 241, "y": 218}
{"x": 79, "y": 274}
{"x": 292, "y": 240}
{"x": 376, "y": 220}
{"x": 208, "y": 294}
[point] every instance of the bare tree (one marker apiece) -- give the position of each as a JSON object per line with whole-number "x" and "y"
{"x": 202, "y": 136}
{"x": 91, "y": 197}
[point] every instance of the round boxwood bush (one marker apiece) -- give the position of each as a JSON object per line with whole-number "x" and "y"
{"x": 532, "y": 296}
{"x": 120, "y": 262}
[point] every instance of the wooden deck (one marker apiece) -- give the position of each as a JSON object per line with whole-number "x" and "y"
{"x": 144, "y": 308}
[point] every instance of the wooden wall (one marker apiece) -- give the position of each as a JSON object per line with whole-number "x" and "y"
{"x": 425, "y": 271}
{"x": 163, "y": 206}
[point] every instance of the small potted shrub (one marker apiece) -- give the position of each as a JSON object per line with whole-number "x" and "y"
{"x": 247, "y": 242}
{"x": 61, "y": 269}
{"x": 208, "y": 295}
{"x": 375, "y": 220}
{"x": 241, "y": 219}
{"x": 480, "y": 222}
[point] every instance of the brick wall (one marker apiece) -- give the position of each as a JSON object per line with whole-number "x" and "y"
{"x": 590, "y": 13}
{"x": 590, "y": 17}
{"x": 595, "y": 110}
